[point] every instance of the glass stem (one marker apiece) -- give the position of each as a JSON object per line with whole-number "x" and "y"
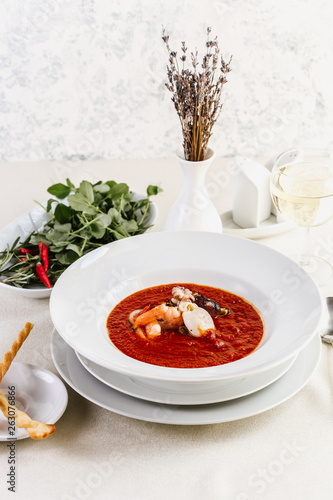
{"x": 305, "y": 246}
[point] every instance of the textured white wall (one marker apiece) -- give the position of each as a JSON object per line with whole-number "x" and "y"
{"x": 86, "y": 78}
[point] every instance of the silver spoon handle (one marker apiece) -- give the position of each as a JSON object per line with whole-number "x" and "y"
{"x": 328, "y": 338}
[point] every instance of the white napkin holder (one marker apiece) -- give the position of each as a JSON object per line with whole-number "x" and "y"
{"x": 252, "y": 202}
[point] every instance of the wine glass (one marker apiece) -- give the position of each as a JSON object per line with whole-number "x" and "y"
{"x": 302, "y": 190}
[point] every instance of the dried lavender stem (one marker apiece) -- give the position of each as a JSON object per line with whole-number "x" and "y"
{"x": 196, "y": 96}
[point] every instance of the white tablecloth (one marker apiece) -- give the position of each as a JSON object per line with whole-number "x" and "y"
{"x": 283, "y": 453}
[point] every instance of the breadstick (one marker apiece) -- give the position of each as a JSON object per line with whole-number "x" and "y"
{"x": 36, "y": 430}
{"x": 10, "y": 355}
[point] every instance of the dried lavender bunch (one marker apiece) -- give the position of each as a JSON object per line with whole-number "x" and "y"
{"x": 197, "y": 95}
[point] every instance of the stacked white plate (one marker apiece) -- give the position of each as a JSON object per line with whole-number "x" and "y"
{"x": 288, "y": 300}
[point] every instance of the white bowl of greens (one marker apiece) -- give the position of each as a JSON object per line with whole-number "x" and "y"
{"x": 73, "y": 222}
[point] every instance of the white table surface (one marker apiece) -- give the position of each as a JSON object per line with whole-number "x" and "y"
{"x": 241, "y": 460}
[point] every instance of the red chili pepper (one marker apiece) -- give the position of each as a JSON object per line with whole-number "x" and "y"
{"x": 23, "y": 258}
{"x": 42, "y": 275}
{"x": 28, "y": 250}
{"x": 44, "y": 253}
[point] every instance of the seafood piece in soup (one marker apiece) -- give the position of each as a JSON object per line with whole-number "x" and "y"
{"x": 210, "y": 305}
{"x": 161, "y": 317}
{"x": 198, "y": 321}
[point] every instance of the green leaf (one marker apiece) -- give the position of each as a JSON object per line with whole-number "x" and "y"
{"x": 102, "y": 188}
{"x": 67, "y": 257}
{"x": 141, "y": 203}
{"x": 74, "y": 248}
{"x": 130, "y": 226}
{"x": 35, "y": 239}
{"x": 60, "y": 244}
{"x": 105, "y": 220}
{"x": 55, "y": 249}
{"x": 59, "y": 190}
{"x": 49, "y": 204}
{"x": 121, "y": 230}
{"x": 111, "y": 183}
{"x": 55, "y": 237}
{"x": 87, "y": 191}
{"x": 7, "y": 257}
{"x": 78, "y": 202}
{"x": 118, "y": 190}
{"x": 14, "y": 244}
{"x": 97, "y": 230}
{"x": 119, "y": 233}
{"x": 70, "y": 184}
{"x": 91, "y": 211}
{"x": 115, "y": 215}
{"x": 63, "y": 228}
{"x": 98, "y": 198}
{"x": 153, "y": 190}
{"x": 62, "y": 213}
{"x": 120, "y": 204}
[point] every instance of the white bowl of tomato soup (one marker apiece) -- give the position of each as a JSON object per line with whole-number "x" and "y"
{"x": 267, "y": 294}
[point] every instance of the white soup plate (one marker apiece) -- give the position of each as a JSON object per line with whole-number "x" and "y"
{"x": 287, "y": 298}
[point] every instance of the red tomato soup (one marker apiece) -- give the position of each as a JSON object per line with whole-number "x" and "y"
{"x": 235, "y": 335}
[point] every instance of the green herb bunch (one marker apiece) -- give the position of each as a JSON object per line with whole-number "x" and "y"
{"x": 80, "y": 220}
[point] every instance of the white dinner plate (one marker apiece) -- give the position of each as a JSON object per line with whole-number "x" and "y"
{"x": 184, "y": 394}
{"x": 288, "y": 299}
{"x": 268, "y": 227}
{"x": 38, "y": 392}
{"x": 89, "y": 387}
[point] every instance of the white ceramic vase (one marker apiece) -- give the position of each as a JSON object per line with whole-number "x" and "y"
{"x": 193, "y": 210}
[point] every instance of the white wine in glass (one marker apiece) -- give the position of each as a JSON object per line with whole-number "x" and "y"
{"x": 302, "y": 191}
